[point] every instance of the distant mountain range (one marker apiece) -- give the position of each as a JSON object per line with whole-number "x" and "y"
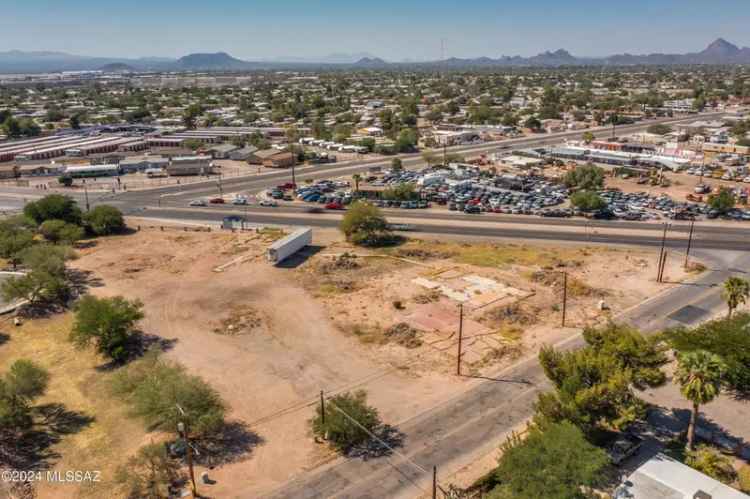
{"x": 14, "y": 61}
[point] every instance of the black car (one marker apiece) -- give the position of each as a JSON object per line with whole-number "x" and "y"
{"x": 472, "y": 209}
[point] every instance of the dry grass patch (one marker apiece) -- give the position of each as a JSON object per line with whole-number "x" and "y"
{"x": 242, "y": 320}
{"x": 110, "y": 438}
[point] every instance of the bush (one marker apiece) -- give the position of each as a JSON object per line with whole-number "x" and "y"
{"x": 54, "y": 207}
{"x": 104, "y": 220}
{"x": 711, "y": 462}
{"x": 364, "y": 224}
{"x": 65, "y": 180}
{"x": 156, "y": 387}
{"x": 401, "y": 192}
{"x": 58, "y": 231}
{"x": 338, "y": 428}
{"x": 107, "y": 321}
{"x": 587, "y": 201}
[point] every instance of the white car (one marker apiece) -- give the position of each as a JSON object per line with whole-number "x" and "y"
{"x": 198, "y": 202}
{"x": 746, "y": 180}
{"x": 268, "y": 202}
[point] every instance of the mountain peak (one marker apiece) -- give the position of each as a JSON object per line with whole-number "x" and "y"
{"x": 721, "y": 47}
{"x": 216, "y": 60}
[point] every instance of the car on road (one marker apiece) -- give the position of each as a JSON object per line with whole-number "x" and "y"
{"x": 402, "y": 227}
{"x": 269, "y": 203}
{"x": 216, "y": 200}
{"x": 197, "y": 202}
{"x": 333, "y": 205}
{"x": 239, "y": 200}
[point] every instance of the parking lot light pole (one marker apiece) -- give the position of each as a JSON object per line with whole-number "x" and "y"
{"x": 690, "y": 243}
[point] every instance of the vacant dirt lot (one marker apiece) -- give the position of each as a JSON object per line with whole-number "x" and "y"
{"x": 269, "y": 339}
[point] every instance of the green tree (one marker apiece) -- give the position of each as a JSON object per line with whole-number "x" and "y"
{"x": 15, "y": 238}
{"x": 736, "y": 292}
{"x": 586, "y": 177}
{"x": 357, "y": 179}
{"x": 364, "y": 224}
{"x": 104, "y": 220}
{"x": 54, "y": 207}
{"x": 58, "y": 231}
{"x": 149, "y": 474}
{"x": 24, "y": 382}
{"x": 721, "y": 202}
{"x": 554, "y": 463}
{"x": 164, "y": 394}
{"x": 406, "y": 141}
{"x": 587, "y": 201}
{"x": 593, "y": 385}
{"x": 532, "y": 123}
{"x": 108, "y": 322}
{"x": 699, "y": 374}
{"x": 396, "y": 165}
{"x": 348, "y": 421}
{"x": 712, "y": 463}
{"x": 430, "y": 158}
{"x": 46, "y": 280}
{"x": 727, "y": 338}
{"x": 588, "y": 137}
{"x": 402, "y": 192}
{"x": 65, "y": 180}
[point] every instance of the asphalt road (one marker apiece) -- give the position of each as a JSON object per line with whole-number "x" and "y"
{"x": 528, "y": 229}
{"x": 460, "y": 430}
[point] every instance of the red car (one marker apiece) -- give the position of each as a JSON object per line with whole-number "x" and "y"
{"x": 216, "y": 201}
{"x": 287, "y": 186}
{"x": 334, "y": 206}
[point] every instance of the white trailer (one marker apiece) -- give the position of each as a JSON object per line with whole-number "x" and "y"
{"x": 286, "y": 247}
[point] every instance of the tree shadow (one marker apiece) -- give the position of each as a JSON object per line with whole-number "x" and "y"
{"x": 388, "y": 438}
{"x": 39, "y": 310}
{"x": 33, "y": 448}
{"x": 4, "y": 338}
{"x": 137, "y": 346}
{"x": 233, "y": 443}
{"x": 82, "y": 280}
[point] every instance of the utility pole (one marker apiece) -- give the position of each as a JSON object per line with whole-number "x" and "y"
{"x": 565, "y": 297}
{"x": 434, "y": 482}
{"x": 445, "y": 155}
{"x": 663, "y": 264}
{"x": 322, "y": 408}
{"x": 294, "y": 178}
{"x": 661, "y": 253}
{"x": 690, "y": 242}
{"x": 460, "y": 337}
{"x": 182, "y": 429}
{"x": 86, "y": 193}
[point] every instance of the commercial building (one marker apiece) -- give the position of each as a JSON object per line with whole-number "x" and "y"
{"x": 190, "y": 165}
{"x": 143, "y": 163}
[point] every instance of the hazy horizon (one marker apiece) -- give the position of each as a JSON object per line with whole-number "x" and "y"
{"x": 255, "y": 30}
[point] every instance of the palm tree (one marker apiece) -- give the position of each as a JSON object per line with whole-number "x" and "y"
{"x": 736, "y": 292}
{"x": 357, "y": 178}
{"x": 699, "y": 374}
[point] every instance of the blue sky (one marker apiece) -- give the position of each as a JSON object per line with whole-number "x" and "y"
{"x": 392, "y": 29}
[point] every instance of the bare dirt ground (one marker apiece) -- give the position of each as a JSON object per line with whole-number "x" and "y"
{"x": 404, "y": 302}
{"x": 270, "y": 338}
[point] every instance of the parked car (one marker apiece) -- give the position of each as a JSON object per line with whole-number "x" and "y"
{"x": 624, "y": 446}
{"x": 216, "y": 201}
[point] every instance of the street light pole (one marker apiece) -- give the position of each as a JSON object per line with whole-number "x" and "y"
{"x": 690, "y": 242}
